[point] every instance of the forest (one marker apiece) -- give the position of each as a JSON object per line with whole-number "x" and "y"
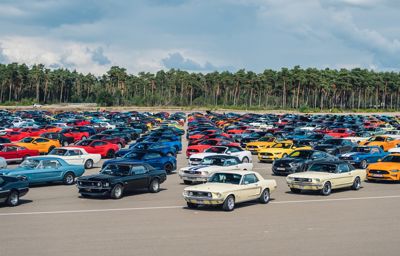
{"x": 294, "y": 88}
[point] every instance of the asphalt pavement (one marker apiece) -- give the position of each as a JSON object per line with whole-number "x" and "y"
{"x": 54, "y": 220}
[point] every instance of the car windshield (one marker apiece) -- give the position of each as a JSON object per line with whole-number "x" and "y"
{"x": 282, "y": 145}
{"x": 58, "y": 152}
{"x": 392, "y": 158}
{"x": 331, "y": 168}
{"x": 84, "y": 143}
{"x": 361, "y": 150}
{"x": 301, "y": 154}
{"x": 333, "y": 142}
{"x": 30, "y": 163}
{"x": 267, "y": 139}
{"x": 229, "y": 178}
{"x": 116, "y": 170}
{"x": 27, "y": 140}
{"x": 134, "y": 155}
{"x": 218, "y": 150}
{"x": 213, "y": 161}
{"x": 377, "y": 139}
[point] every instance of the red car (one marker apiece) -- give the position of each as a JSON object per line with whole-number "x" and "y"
{"x": 15, "y": 153}
{"x": 33, "y": 132}
{"x": 74, "y": 133}
{"x": 341, "y": 133}
{"x": 120, "y": 142}
{"x": 238, "y": 130}
{"x": 104, "y": 148}
{"x": 199, "y": 148}
{"x": 13, "y": 135}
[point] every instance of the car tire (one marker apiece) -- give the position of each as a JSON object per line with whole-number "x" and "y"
{"x": 110, "y": 153}
{"x": 117, "y": 191}
{"x": 245, "y": 160}
{"x": 168, "y": 167}
{"x": 25, "y": 157}
{"x": 187, "y": 182}
{"x": 229, "y": 204}
{"x": 89, "y": 164}
{"x": 119, "y": 145}
{"x": 265, "y": 196}
{"x": 356, "y": 184}
{"x": 69, "y": 178}
{"x": 191, "y": 205}
{"x": 326, "y": 189}
{"x": 363, "y": 164}
{"x": 13, "y": 198}
{"x": 284, "y": 155}
{"x": 154, "y": 186}
{"x": 295, "y": 190}
{"x": 83, "y": 138}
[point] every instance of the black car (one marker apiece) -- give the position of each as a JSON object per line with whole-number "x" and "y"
{"x": 299, "y": 160}
{"x": 335, "y": 146}
{"x": 117, "y": 178}
{"x": 64, "y": 140}
{"x": 12, "y": 189}
{"x": 4, "y": 140}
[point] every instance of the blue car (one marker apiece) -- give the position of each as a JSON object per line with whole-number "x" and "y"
{"x": 163, "y": 141}
{"x": 159, "y": 147}
{"x": 154, "y": 158}
{"x": 12, "y": 189}
{"x": 46, "y": 169}
{"x": 361, "y": 156}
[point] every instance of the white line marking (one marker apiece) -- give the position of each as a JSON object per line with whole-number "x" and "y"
{"x": 180, "y": 207}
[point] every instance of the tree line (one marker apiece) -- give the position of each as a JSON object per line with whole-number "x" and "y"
{"x": 294, "y": 88}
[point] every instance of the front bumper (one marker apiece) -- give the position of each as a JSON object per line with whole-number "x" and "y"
{"x": 284, "y": 170}
{"x": 389, "y": 177}
{"x": 193, "y": 178}
{"x": 204, "y": 200}
{"x": 265, "y": 158}
{"x": 94, "y": 191}
{"x": 305, "y": 186}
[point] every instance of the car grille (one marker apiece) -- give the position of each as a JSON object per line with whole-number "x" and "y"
{"x": 281, "y": 165}
{"x": 195, "y": 159}
{"x": 192, "y": 172}
{"x": 199, "y": 194}
{"x": 90, "y": 183}
{"x": 345, "y": 158}
{"x": 266, "y": 154}
{"x": 378, "y": 172}
{"x": 303, "y": 179}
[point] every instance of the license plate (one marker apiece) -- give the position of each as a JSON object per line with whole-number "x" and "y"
{"x": 280, "y": 169}
{"x": 200, "y": 201}
{"x": 88, "y": 190}
{"x": 265, "y": 157}
{"x": 377, "y": 175}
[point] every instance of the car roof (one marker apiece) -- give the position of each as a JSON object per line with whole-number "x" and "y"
{"x": 237, "y": 172}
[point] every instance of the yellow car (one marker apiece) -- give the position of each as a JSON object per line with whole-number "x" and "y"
{"x": 278, "y": 150}
{"x": 385, "y": 142}
{"x": 264, "y": 142}
{"x": 43, "y": 145}
{"x": 387, "y": 169}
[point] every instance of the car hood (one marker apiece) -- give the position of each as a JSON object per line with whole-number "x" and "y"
{"x": 213, "y": 187}
{"x": 384, "y": 166}
{"x": 200, "y": 168}
{"x": 98, "y": 177}
{"x": 288, "y": 160}
{"x": 310, "y": 175}
{"x": 274, "y": 150}
{"x": 202, "y": 155}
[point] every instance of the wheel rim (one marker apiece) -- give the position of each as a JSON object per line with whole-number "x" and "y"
{"x": 118, "y": 191}
{"x": 231, "y": 203}
{"x": 89, "y": 164}
{"x": 155, "y": 185}
{"x": 363, "y": 164}
{"x": 266, "y": 196}
{"x": 69, "y": 179}
{"x": 245, "y": 160}
{"x": 327, "y": 188}
{"x": 168, "y": 168}
{"x": 14, "y": 198}
{"x": 358, "y": 183}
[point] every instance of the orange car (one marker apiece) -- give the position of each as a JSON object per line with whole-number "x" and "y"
{"x": 385, "y": 142}
{"x": 387, "y": 169}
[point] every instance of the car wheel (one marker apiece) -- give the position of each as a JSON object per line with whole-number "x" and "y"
{"x": 295, "y": 190}
{"x": 264, "y": 198}
{"x": 65, "y": 143}
{"x": 168, "y": 167}
{"x": 187, "y": 182}
{"x": 245, "y": 159}
{"x": 170, "y": 154}
{"x": 117, "y": 191}
{"x": 83, "y": 138}
{"x": 363, "y": 164}
{"x": 110, "y": 153}
{"x": 191, "y": 205}
{"x": 356, "y": 184}
{"x": 119, "y": 145}
{"x": 25, "y": 157}
{"x": 229, "y": 203}
{"x": 154, "y": 186}
{"x": 89, "y": 164}
{"x": 13, "y": 198}
{"x": 284, "y": 155}
{"x": 326, "y": 189}
{"x": 69, "y": 178}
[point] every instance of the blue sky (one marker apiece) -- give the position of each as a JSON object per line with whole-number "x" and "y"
{"x": 201, "y": 35}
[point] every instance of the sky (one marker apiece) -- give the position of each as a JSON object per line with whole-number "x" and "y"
{"x": 201, "y": 35}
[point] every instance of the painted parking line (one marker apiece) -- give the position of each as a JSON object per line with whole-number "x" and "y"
{"x": 180, "y": 207}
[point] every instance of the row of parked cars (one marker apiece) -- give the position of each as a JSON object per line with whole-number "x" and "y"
{"x": 310, "y": 150}
{"x": 154, "y": 141}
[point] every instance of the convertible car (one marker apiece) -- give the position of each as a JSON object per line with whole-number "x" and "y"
{"x": 243, "y": 155}
{"x": 12, "y": 189}
{"x": 227, "y": 188}
{"x": 42, "y": 169}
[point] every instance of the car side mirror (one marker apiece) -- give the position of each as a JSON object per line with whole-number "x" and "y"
{"x": 379, "y": 160}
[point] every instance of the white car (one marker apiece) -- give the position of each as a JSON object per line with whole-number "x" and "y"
{"x": 211, "y": 164}
{"x": 107, "y": 125}
{"x": 243, "y": 155}
{"x": 3, "y": 163}
{"x": 77, "y": 156}
{"x": 393, "y": 133}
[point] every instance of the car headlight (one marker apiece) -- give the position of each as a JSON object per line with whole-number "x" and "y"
{"x": 218, "y": 195}
{"x": 99, "y": 184}
{"x": 289, "y": 178}
{"x": 190, "y": 193}
{"x": 209, "y": 195}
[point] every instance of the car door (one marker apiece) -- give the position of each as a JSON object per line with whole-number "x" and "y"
{"x": 154, "y": 159}
{"x": 250, "y": 187}
{"x": 98, "y": 147}
{"x": 343, "y": 177}
{"x": 50, "y": 170}
{"x": 140, "y": 177}
{"x": 9, "y": 153}
{"x": 74, "y": 156}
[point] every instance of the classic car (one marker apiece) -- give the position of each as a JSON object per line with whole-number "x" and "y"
{"x": 64, "y": 140}
{"x": 243, "y": 155}
{"x": 15, "y": 153}
{"x": 3, "y": 163}
{"x": 43, "y": 145}
{"x": 199, "y": 148}
{"x": 387, "y": 169}
{"x": 41, "y": 169}
{"x": 77, "y": 156}
{"x": 385, "y": 142}
{"x": 115, "y": 179}
{"x": 159, "y": 147}
{"x": 226, "y": 188}
{"x": 153, "y": 158}
{"x": 361, "y": 156}
{"x": 359, "y": 136}
{"x": 299, "y": 160}
{"x": 335, "y": 146}
{"x": 104, "y": 148}
{"x": 12, "y": 189}
{"x": 325, "y": 176}
{"x": 264, "y": 142}
{"x": 279, "y": 150}
{"x": 210, "y": 164}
